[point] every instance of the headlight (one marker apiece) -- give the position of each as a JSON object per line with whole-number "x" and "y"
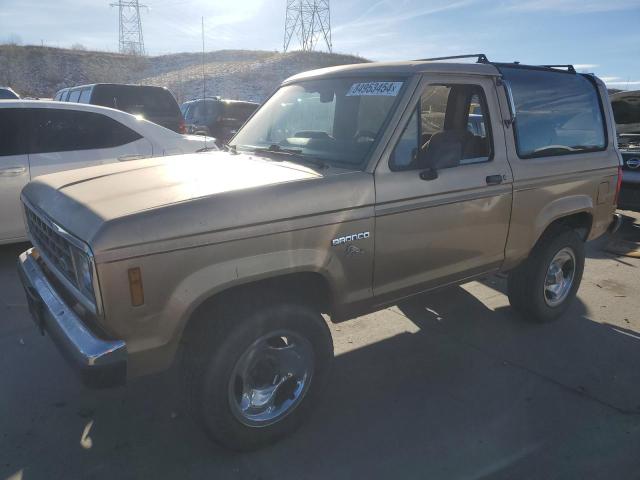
{"x": 84, "y": 272}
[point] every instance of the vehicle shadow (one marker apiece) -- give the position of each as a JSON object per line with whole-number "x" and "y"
{"x": 475, "y": 392}
{"x": 624, "y": 243}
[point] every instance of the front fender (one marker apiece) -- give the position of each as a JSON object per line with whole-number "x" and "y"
{"x": 211, "y": 280}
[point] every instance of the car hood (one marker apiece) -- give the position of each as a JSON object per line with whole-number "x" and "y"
{"x": 119, "y": 205}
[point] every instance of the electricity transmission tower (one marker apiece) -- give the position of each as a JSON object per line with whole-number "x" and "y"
{"x": 130, "y": 27}
{"x": 310, "y": 22}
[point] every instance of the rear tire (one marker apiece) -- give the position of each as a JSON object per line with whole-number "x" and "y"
{"x": 545, "y": 284}
{"x": 253, "y": 373}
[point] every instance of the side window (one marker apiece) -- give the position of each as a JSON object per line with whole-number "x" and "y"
{"x": 187, "y": 113}
{"x": 449, "y": 127}
{"x": 68, "y": 130}
{"x": 85, "y": 95}
{"x": 557, "y": 113}
{"x": 74, "y": 96}
{"x": 404, "y": 156}
{"x": 12, "y": 132}
{"x": 196, "y": 112}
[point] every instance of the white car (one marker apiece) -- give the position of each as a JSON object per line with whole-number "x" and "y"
{"x": 39, "y": 137}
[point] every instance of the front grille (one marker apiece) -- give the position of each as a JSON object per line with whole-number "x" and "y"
{"x": 631, "y": 161}
{"x": 55, "y": 249}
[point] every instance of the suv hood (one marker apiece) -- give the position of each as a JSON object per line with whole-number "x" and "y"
{"x": 83, "y": 200}
{"x": 626, "y": 110}
{"x": 147, "y": 206}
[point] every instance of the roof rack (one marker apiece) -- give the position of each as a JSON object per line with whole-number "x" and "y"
{"x": 481, "y": 58}
{"x": 569, "y": 68}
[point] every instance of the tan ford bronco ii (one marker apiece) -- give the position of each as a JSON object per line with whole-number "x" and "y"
{"x": 351, "y": 188}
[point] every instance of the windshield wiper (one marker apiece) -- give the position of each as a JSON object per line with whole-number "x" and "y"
{"x": 562, "y": 149}
{"x": 230, "y": 148}
{"x": 275, "y": 150}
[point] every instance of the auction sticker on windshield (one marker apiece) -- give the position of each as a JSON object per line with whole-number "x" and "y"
{"x": 386, "y": 89}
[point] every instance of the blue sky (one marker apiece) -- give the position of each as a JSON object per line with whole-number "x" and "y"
{"x": 600, "y": 36}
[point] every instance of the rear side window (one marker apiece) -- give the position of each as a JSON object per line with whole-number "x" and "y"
{"x": 239, "y": 111}
{"x": 85, "y": 95}
{"x": 557, "y": 113}
{"x": 74, "y": 96}
{"x": 12, "y": 132}
{"x": 145, "y": 101}
{"x": 68, "y": 130}
{"x": 187, "y": 112}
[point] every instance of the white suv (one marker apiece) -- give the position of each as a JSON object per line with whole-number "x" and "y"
{"x": 39, "y": 137}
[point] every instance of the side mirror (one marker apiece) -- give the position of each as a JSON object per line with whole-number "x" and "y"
{"x": 430, "y": 171}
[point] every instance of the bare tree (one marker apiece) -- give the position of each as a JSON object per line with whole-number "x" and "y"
{"x": 14, "y": 39}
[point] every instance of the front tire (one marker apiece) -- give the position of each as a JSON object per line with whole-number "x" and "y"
{"x": 254, "y": 373}
{"x": 543, "y": 287}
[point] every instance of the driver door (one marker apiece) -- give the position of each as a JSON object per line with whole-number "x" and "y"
{"x": 443, "y": 224}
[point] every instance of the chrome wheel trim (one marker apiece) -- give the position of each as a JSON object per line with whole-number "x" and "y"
{"x": 271, "y": 378}
{"x": 560, "y": 276}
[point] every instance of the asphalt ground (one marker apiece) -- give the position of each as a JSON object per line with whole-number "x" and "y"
{"x": 450, "y": 385}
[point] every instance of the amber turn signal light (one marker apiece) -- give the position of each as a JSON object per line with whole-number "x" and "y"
{"x": 135, "y": 287}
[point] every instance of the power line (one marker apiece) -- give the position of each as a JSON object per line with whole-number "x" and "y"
{"x": 130, "y": 36}
{"x": 310, "y": 22}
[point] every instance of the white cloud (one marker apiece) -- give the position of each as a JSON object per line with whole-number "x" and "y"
{"x": 585, "y": 66}
{"x": 380, "y": 32}
{"x": 624, "y": 83}
{"x": 385, "y": 12}
{"x": 572, "y": 6}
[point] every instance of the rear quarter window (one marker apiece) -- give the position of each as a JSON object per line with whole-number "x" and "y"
{"x": 240, "y": 111}
{"x": 74, "y": 96}
{"x": 557, "y": 113}
{"x": 145, "y": 101}
{"x": 85, "y": 95}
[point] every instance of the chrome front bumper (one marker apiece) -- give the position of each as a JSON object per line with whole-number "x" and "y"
{"x": 100, "y": 362}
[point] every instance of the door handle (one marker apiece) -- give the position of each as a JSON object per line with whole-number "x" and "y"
{"x": 494, "y": 179}
{"x": 127, "y": 158}
{"x": 12, "y": 171}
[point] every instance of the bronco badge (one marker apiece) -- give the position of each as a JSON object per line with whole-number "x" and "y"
{"x": 349, "y": 238}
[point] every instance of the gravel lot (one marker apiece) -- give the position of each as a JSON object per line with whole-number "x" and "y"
{"x": 449, "y": 385}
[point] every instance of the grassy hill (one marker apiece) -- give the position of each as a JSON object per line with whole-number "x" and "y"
{"x": 237, "y": 74}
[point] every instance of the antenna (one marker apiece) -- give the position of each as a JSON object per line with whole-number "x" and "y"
{"x": 130, "y": 41}
{"x": 310, "y": 22}
{"x": 204, "y": 84}
{"x": 204, "y": 78}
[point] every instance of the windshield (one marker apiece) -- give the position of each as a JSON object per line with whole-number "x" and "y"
{"x": 626, "y": 110}
{"x": 336, "y": 121}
